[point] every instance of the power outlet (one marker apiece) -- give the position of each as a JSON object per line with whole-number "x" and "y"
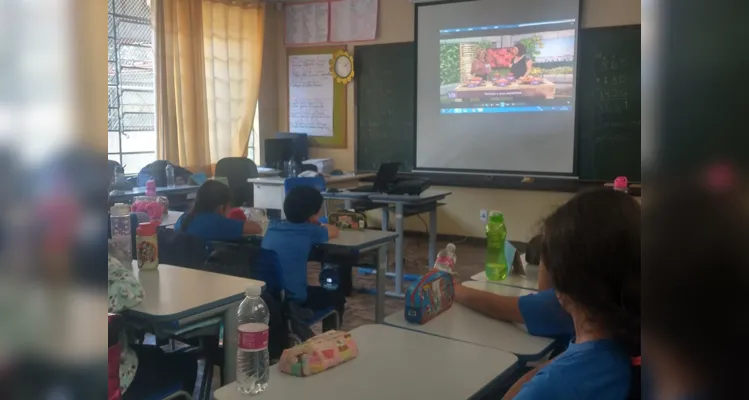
{"x": 484, "y": 215}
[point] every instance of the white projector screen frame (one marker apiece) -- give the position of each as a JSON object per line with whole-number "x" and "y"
{"x": 502, "y": 142}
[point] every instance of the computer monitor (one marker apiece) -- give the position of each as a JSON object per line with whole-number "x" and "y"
{"x": 278, "y": 152}
{"x": 299, "y": 145}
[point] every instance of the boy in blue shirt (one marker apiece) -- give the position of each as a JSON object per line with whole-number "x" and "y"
{"x": 293, "y": 240}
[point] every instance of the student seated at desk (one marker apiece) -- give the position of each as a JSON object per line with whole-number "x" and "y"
{"x": 293, "y": 240}
{"x": 145, "y": 370}
{"x": 591, "y": 250}
{"x": 540, "y": 312}
{"x": 208, "y": 218}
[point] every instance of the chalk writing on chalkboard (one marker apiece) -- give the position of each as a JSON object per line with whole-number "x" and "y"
{"x": 311, "y": 94}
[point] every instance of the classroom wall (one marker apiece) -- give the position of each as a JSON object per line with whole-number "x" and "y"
{"x": 523, "y": 209}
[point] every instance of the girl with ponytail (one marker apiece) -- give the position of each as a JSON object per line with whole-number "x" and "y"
{"x": 591, "y": 250}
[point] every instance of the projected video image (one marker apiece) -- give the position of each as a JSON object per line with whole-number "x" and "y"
{"x": 514, "y": 72}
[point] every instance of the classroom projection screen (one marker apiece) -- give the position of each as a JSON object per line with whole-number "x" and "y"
{"x": 496, "y": 85}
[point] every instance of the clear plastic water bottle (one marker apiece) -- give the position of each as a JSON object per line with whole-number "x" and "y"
{"x": 170, "y": 179}
{"x": 497, "y": 267}
{"x": 253, "y": 365}
{"x": 121, "y": 231}
{"x": 291, "y": 169}
{"x": 446, "y": 259}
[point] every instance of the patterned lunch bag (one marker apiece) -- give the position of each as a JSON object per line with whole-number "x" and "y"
{"x": 429, "y": 297}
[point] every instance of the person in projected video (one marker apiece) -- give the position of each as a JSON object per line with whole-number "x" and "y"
{"x": 481, "y": 66}
{"x": 521, "y": 62}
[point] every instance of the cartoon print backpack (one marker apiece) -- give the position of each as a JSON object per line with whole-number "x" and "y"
{"x": 429, "y": 296}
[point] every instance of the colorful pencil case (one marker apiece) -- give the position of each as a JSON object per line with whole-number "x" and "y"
{"x": 318, "y": 354}
{"x": 429, "y": 297}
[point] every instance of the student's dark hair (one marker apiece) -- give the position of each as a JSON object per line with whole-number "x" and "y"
{"x": 521, "y": 48}
{"x": 696, "y": 275}
{"x": 211, "y": 195}
{"x": 301, "y": 203}
{"x": 591, "y": 249}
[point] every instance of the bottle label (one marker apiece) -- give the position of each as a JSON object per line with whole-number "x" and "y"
{"x": 252, "y": 337}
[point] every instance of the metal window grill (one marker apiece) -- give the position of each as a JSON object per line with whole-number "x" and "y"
{"x": 131, "y": 80}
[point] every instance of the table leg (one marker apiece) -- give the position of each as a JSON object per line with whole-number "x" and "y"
{"x": 347, "y": 204}
{"x": 432, "y": 236}
{"x": 380, "y": 279}
{"x": 385, "y": 218}
{"x": 399, "y": 248}
{"x": 230, "y": 344}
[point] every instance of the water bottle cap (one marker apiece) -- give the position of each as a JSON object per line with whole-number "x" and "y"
{"x": 119, "y": 210}
{"x": 621, "y": 182}
{"x": 254, "y": 290}
{"x": 450, "y": 247}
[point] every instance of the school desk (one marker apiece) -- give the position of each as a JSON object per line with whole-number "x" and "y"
{"x": 527, "y": 281}
{"x": 171, "y": 218}
{"x": 465, "y": 325}
{"x": 360, "y": 241}
{"x": 404, "y": 206}
{"x": 394, "y": 364}
{"x": 270, "y": 193}
{"x": 176, "y": 296}
{"x": 497, "y": 289}
{"x": 186, "y": 191}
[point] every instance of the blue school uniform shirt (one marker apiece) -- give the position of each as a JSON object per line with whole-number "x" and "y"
{"x": 544, "y": 315}
{"x": 598, "y": 369}
{"x": 293, "y": 243}
{"x": 212, "y": 226}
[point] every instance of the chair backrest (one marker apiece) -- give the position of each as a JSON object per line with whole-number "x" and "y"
{"x": 348, "y": 220}
{"x": 181, "y": 249}
{"x": 317, "y": 182}
{"x": 237, "y": 170}
{"x": 247, "y": 260}
{"x": 157, "y": 171}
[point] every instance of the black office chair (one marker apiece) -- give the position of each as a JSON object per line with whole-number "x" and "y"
{"x": 237, "y": 170}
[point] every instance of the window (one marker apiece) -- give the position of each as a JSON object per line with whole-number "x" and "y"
{"x": 132, "y": 100}
{"x": 253, "y": 143}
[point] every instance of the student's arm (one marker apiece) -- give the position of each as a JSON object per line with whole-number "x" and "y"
{"x": 252, "y": 228}
{"x": 504, "y": 308}
{"x": 333, "y": 231}
{"x": 518, "y": 385}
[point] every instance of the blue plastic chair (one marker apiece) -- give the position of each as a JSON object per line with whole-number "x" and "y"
{"x": 317, "y": 182}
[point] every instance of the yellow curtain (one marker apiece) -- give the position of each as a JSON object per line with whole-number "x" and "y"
{"x": 208, "y": 63}
{"x": 233, "y": 50}
{"x": 181, "y": 108}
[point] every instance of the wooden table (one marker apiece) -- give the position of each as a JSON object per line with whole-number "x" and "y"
{"x": 394, "y": 364}
{"x": 177, "y": 296}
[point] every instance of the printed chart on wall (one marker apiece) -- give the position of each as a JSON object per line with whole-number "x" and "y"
{"x": 316, "y": 103}
{"x": 307, "y": 23}
{"x": 353, "y": 20}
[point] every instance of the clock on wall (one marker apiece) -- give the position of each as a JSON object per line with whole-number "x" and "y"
{"x": 342, "y": 67}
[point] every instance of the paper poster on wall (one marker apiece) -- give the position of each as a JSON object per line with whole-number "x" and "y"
{"x": 353, "y": 20}
{"x": 311, "y": 94}
{"x": 307, "y": 23}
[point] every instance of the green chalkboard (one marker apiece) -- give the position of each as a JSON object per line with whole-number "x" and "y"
{"x": 385, "y": 109}
{"x": 608, "y": 103}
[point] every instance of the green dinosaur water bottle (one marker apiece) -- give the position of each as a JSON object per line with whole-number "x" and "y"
{"x": 497, "y": 267}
